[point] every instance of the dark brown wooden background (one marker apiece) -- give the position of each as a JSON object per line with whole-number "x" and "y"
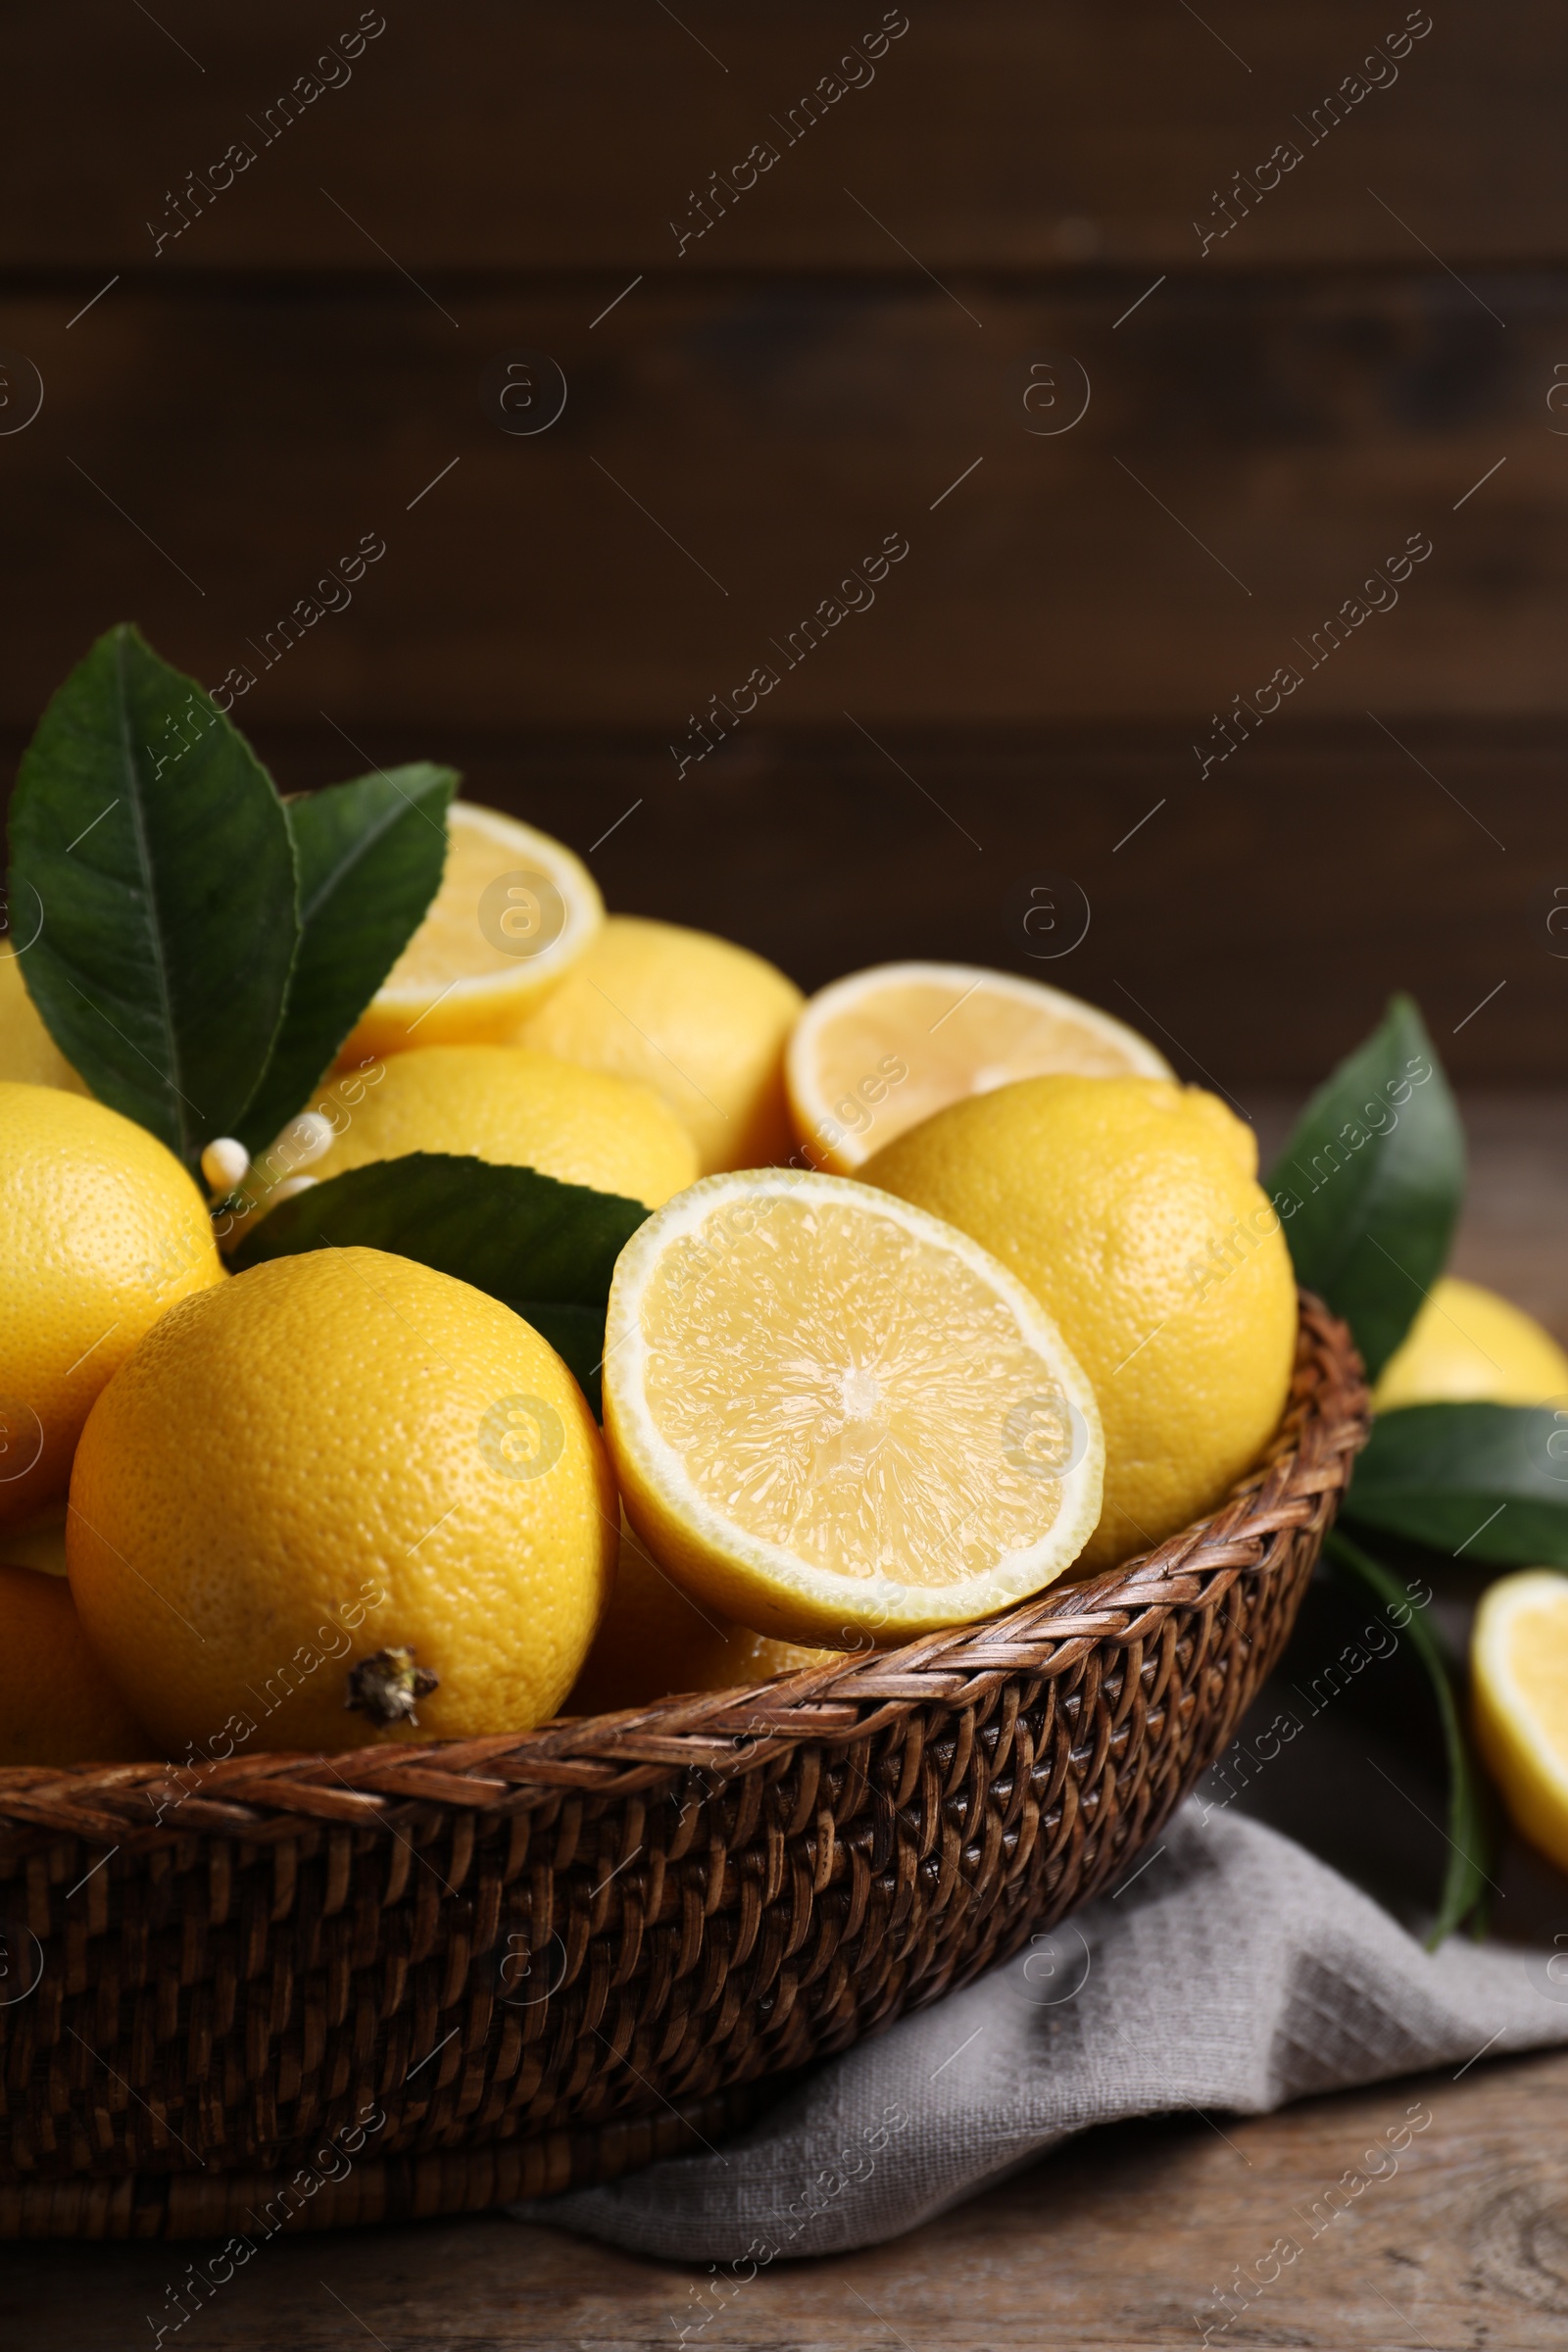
{"x": 1381, "y": 332}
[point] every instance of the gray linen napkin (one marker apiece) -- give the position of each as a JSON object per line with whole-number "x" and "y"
{"x": 1232, "y": 1970}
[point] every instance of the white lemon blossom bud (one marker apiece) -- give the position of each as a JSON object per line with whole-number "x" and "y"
{"x": 225, "y": 1164}
{"x": 288, "y": 1188}
{"x": 307, "y": 1138}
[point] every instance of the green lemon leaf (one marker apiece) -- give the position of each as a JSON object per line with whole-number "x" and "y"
{"x": 1470, "y": 1824}
{"x": 1485, "y": 1481}
{"x": 369, "y": 857}
{"x": 547, "y": 1250}
{"x": 1370, "y": 1184}
{"x": 151, "y": 849}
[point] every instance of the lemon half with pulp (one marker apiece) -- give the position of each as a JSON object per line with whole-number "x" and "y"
{"x": 513, "y": 913}
{"x": 879, "y": 1051}
{"x": 836, "y": 1419}
{"x": 1519, "y": 1698}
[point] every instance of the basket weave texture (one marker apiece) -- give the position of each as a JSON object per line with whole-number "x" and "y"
{"x": 295, "y": 1990}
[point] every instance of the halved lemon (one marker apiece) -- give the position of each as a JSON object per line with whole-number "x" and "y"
{"x": 835, "y": 1418}
{"x": 879, "y": 1051}
{"x": 513, "y": 913}
{"x": 1519, "y": 1698}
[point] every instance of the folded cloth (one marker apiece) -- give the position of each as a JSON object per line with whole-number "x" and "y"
{"x": 1231, "y": 1970}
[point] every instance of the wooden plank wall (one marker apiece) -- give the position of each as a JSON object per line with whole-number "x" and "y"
{"x": 1157, "y": 338}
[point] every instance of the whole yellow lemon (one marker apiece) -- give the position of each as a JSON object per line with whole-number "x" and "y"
{"x": 340, "y": 1498}
{"x": 56, "y": 1703}
{"x": 656, "y": 1640}
{"x": 39, "y": 1543}
{"x": 1469, "y": 1345}
{"x": 101, "y": 1231}
{"x": 28, "y": 1054}
{"x": 1130, "y": 1207}
{"x": 702, "y": 1021}
{"x": 507, "y": 1105}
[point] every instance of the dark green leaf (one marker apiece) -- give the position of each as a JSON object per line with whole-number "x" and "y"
{"x": 1469, "y": 1832}
{"x": 577, "y": 1335}
{"x": 1370, "y": 1184}
{"x": 148, "y": 839}
{"x": 369, "y": 857}
{"x": 1489, "y": 1480}
{"x": 548, "y": 1249}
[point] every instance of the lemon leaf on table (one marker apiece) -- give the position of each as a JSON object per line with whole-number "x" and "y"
{"x": 368, "y": 857}
{"x": 1488, "y": 1480}
{"x": 1470, "y": 1840}
{"x": 546, "y": 1248}
{"x": 152, "y": 893}
{"x": 1369, "y": 1185}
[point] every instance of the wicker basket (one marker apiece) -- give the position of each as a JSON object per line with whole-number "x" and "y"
{"x": 302, "y": 1991}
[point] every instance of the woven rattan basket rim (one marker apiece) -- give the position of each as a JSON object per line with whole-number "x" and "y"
{"x": 267, "y": 1795}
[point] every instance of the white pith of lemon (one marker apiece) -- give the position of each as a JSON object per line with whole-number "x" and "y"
{"x": 837, "y": 1419}
{"x": 879, "y": 1051}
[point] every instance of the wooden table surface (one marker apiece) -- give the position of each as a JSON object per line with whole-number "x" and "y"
{"x": 1117, "y": 2240}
